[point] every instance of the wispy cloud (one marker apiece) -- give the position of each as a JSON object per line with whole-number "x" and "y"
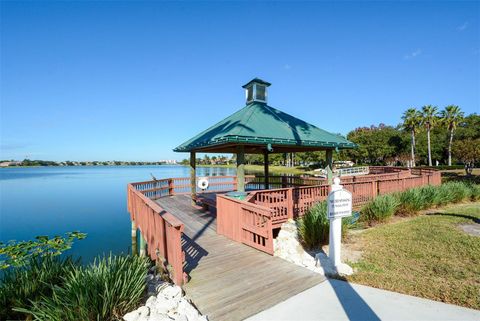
{"x": 462, "y": 26}
{"x": 413, "y": 54}
{"x": 287, "y": 67}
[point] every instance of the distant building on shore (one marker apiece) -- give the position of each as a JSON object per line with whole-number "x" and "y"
{"x": 10, "y": 163}
{"x": 168, "y": 162}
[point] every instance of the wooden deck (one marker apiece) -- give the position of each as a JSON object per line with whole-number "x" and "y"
{"x": 229, "y": 280}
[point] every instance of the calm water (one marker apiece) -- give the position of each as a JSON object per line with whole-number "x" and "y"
{"x": 55, "y": 200}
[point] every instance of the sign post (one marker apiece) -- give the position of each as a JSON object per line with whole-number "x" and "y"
{"x": 339, "y": 205}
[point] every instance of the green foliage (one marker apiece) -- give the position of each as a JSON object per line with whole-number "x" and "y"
{"x": 376, "y": 144}
{"x": 19, "y": 253}
{"x": 19, "y": 286}
{"x": 467, "y": 151}
{"x": 475, "y": 192}
{"x": 416, "y": 199}
{"x": 104, "y": 290}
{"x": 456, "y": 192}
{"x": 379, "y": 209}
{"x": 314, "y": 225}
{"x": 411, "y": 201}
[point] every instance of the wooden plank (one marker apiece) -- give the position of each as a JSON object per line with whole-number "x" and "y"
{"x": 229, "y": 280}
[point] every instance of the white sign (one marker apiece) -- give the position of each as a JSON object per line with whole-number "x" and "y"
{"x": 339, "y": 203}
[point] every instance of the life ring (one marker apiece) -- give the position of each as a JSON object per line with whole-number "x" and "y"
{"x": 203, "y": 183}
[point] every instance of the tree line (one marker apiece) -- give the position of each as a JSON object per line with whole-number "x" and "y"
{"x": 39, "y": 162}
{"x": 426, "y": 136}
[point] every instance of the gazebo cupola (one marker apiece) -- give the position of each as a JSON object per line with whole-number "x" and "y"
{"x": 256, "y": 90}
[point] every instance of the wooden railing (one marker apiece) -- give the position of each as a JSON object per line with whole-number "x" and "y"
{"x": 252, "y": 221}
{"x": 161, "y": 230}
{"x": 245, "y": 222}
{"x": 181, "y": 185}
{"x": 294, "y": 202}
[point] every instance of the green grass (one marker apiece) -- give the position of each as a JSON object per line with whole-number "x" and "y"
{"x": 459, "y": 175}
{"x": 426, "y": 256}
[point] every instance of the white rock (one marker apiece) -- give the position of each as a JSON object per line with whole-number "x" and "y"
{"x": 131, "y": 316}
{"x": 151, "y": 301}
{"x": 185, "y": 308}
{"x": 344, "y": 269}
{"x": 139, "y": 314}
{"x": 159, "y": 317}
{"x": 181, "y": 317}
{"x": 288, "y": 247}
{"x": 163, "y": 305}
{"x": 172, "y": 291}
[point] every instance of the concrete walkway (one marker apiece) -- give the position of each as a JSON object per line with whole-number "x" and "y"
{"x": 338, "y": 300}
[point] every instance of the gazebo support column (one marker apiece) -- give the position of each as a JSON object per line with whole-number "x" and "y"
{"x": 329, "y": 159}
{"x": 193, "y": 175}
{"x": 240, "y": 168}
{"x": 265, "y": 169}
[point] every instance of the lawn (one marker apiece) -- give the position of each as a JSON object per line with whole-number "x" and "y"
{"x": 427, "y": 256}
{"x": 459, "y": 175}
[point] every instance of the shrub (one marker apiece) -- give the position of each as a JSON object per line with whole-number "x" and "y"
{"x": 379, "y": 209}
{"x": 475, "y": 192}
{"x": 20, "y": 285}
{"x": 104, "y": 290}
{"x": 411, "y": 201}
{"x": 429, "y": 195}
{"x": 459, "y": 191}
{"x": 313, "y": 226}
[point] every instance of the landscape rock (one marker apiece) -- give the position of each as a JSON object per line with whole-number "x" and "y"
{"x": 288, "y": 247}
{"x": 165, "y": 303}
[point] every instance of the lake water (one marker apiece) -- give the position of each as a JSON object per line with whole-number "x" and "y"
{"x": 55, "y": 200}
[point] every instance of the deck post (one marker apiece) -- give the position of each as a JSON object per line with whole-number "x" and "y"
{"x": 193, "y": 174}
{"x": 134, "y": 238}
{"x": 143, "y": 246}
{"x": 240, "y": 168}
{"x": 329, "y": 160}
{"x": 265, "y": 168}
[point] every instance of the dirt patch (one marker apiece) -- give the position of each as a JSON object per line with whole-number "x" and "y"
{"x": 470, "y": 228}
{"x": 352, "y": 248}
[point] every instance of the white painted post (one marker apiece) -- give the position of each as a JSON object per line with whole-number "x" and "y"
{"x": 335, "y": 235}
{"x": 339, "y": 205}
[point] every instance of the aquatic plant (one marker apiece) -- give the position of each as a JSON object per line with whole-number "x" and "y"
{"x": 19, "y": 253}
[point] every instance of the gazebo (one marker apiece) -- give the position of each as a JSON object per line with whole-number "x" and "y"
{"x": 259, "y": 128}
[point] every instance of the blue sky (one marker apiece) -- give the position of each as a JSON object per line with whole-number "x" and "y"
{"x": 132, "y": 80}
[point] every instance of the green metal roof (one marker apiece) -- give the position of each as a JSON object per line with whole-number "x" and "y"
{"x": 257, "y": 125}
{"x": 258, "y": 81}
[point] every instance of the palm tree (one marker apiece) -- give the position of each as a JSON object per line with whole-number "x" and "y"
{"x": 451, "y": 116}
{"x": 429, "y": 119}
{"x": 411, "y": 122}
